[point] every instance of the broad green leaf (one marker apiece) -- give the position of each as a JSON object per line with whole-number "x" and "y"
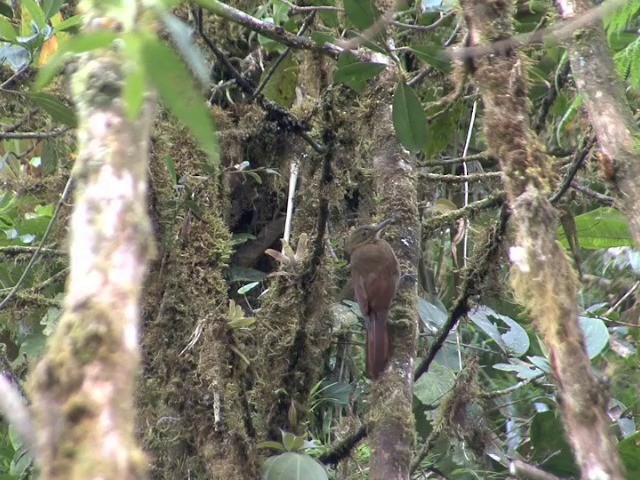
{"x": 431, "y": 315}
{"x": 36, "y": 13}
{"x": 601, "y": 228}
{"x": 178, "y": 93}
{"x": 245, "y": 274}
{"x": 409, "y": 120}
{"x": 78, "y": 44}
{"x": 281, "y": 86}
{"x": 5, "y": 10}
{"x": 596, "y": 335}
{"x": 7, "y": 30}
{"x": 629, "y": 450}
{"x": 434, "y": 384}
{"x": 243, "y": 322}
{"x": 549, "y": 445}
{"x": 362, "y": 13}
{"x": 434, "y": 56}
{"x": 355, "y": 74}
{"x": 69, "y": 24}
{"x": 51, "y": 7}
{"x": 54, "y": 107}
{"x": 293, "y": 466}
{"x": 514, "y": 341}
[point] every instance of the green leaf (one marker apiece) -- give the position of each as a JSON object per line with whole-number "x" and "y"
{"x": 51, "y": 7}
{"x": 434, "y": 56}
{"x": 549, "y": 445}
{"x": 629, "y": 450}
{"x": 409, "y": 119}
{"x": 281, "y": 87}
{"x": 596, "y": 335}
{"x": 434, "y": 384}
{"x": 78, "y": 44}
{"x": 70, "y": 23}
{"x": 135, "y": 79}
{"x": 7, "y": 30}
{"x": 35, "y": 11}
{"x": 601, "y": 228}
{"x": 271, "y": 444}
{"x": 5, "y": 10}
{"x": 515, "y": 341}
{"x": 178, "y": 93}
{"x": 355, "y": 74}
{"x": 243, "y": 322}
{"x": 246, "y": 274}
{"x": 171, "y": 168}
{"x": 54, "y": 107}
{"x": 293, "y": 466}
{"x": 362, "y": 13}
{"x": 248, "y": 287}
{"x": 291, "y": 442}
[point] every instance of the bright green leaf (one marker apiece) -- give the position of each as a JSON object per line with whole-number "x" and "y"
{"x": 54, "y": 107}
{"x": 178, "y": 93}
{"x": 35, "y": 11}
{"x": 409, "y": 119}
{"x": 51, "y": 7}
{"x": 243, "y": 322}
{"x": 7, "y": 30}
{"x": 271, "y": 444}
{"x": 70, "y": 23}
{"x": 601, "y": 228}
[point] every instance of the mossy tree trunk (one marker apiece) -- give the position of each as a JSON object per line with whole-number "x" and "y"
{"x": 83, "y": 387}
{"x": 542, "y": 278}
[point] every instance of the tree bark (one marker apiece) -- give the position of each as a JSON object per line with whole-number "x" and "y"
{"x": 83, "y": 387}
{"x": 610, "y": 115}
{"x": 541, "y": 275}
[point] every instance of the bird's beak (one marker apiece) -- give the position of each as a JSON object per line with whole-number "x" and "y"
{"x": 382, "y": 224}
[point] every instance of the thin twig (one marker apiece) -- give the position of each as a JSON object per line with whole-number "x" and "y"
{"x": 22, "y": 249}
{"x": 295, "y": 9}
{"x": 36, "y": 135}
{"x": 422, "y": 28}
{"x": 578, "y": 159}
{"x": 473, "y": 177}
{"x": 622, "y": 299}
{"x": 439, "y": 221}
{"x": 606, "y": 199}
{"x": 526, "y": 470}
{"x": 27, "y": 269}
{"x": 512, "y": 388}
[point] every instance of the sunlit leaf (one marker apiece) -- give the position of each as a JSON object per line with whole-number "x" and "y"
{"x": 362, "y": 13}
{"x": 601, "y": 228}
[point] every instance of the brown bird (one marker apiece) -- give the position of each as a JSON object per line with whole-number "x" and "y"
{"x": 375, "y": 273}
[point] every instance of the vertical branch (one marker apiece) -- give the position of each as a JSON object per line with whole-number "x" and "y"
{"x": 83, "y": 387}
{"x": 391, "y": 433}
{"x": 609, "y": 114}
{"x": 541, "y": 275}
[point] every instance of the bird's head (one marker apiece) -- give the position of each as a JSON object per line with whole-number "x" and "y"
{"x": 365, "y": 234}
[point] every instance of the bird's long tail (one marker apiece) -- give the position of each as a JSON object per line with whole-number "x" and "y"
{"x": 377, "y": 344}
